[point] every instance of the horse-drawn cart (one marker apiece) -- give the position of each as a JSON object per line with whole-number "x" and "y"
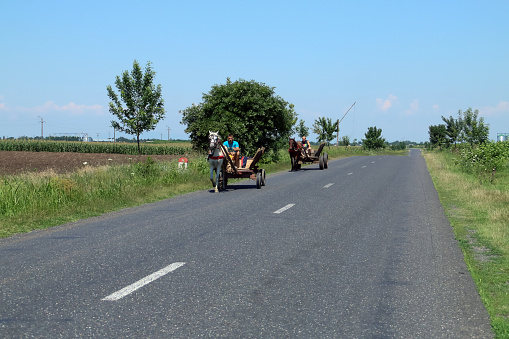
{"x": 249, "y": 170}
{"x": 299, "y": 156}
{"x": 221, "y": 163}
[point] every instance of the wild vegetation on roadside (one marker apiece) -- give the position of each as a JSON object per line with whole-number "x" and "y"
{"x": 472, "y": 185}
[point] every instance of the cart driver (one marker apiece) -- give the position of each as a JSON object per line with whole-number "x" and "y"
{"x": 233, "y": 149}
{"x": 306, "y": 145}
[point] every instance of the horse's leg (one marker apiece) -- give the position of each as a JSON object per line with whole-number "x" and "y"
{"x": 218, "y": 171}
{"x": 212, "y": 174}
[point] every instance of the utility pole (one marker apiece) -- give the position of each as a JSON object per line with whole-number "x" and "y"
{"x": 42, "y": 128}
{"x": 168, "y": 133}
{"x": 337, "y": 136}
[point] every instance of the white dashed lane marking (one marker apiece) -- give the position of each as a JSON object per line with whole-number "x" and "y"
{"x": 140, "y": 283}
{"x": 281, "y": 210}
{"x": 328, "y": 185}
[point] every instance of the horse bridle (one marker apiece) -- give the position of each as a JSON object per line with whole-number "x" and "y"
{"x": 216, "y": 141}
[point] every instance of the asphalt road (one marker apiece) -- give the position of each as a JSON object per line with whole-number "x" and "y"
{"x": 359, "y": 250}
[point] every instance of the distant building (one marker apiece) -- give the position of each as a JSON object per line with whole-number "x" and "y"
{"x": 502, "y": 136}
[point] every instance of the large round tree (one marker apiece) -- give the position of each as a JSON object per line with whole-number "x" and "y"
{"x": 373, "y": 139}
{"x": 248, "y": 109}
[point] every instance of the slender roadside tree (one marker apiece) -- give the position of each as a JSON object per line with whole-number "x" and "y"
{"x": 140, "y": 106}
{"x": 250, "y": 110}
{"x": 301, "y": 129}
{"x": 325, "y": 129}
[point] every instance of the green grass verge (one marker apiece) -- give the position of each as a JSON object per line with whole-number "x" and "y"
{"x": 479, "y": 214}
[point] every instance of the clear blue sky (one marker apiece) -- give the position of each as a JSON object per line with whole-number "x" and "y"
{"x": 404, "y": 63}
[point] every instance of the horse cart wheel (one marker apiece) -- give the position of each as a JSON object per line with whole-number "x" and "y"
{"x": 258, "y": 179}
{"x": 325, "y": 160}
{"x": 263, "y": 177}
{"x": 320, "y": 161}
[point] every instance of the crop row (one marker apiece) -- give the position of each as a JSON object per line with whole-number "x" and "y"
{"x": 90, "y": 147}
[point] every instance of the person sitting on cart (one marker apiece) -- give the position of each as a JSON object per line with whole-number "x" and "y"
{"x": 306, "y": 145}
{"x": 233, "y": 149}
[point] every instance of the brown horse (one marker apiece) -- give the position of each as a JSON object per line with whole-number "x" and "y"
{"x": 295, "y": 150}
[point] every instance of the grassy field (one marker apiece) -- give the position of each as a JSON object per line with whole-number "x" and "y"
{"x": 478, "y": 210}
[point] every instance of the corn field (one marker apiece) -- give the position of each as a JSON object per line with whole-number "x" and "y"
{"x": 90, "y": 147}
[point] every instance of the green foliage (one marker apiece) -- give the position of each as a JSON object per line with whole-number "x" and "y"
{"x": 485, "y": 159}
{"x": 345, "y": 140}
{"x": 301, "y": 129}
{"x": 473, "y": 131}
{"x": 398, "y": 145}
{"x": 91, "y": 147}
{"x": 373, "y": 139}
{"x": 325, "y": 129}
{"x": 148, "y": 168}
{"x": 248, "y": 109}
{"x": 467, "y": 128}
{"x": 437, "y": 135}
{"x": 142, "y": 99}
{"x": 452, "y": 130}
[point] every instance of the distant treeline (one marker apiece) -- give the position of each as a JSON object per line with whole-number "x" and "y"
{"x": 91, "y": 147}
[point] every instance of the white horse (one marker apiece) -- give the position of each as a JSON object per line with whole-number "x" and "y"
{"x": 216, "y": 158}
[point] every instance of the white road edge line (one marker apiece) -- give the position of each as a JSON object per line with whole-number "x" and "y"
{"x": 284, "y": 208}
{"x": 140, "y": 283}
{"x": 328, "y": 185}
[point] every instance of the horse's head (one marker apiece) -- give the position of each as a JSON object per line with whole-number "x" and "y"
{"x": 213, "y": 139}
{"x": 292, "y": 144}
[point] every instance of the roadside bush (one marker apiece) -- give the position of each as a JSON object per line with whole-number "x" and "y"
{"x": 484, "y": 158}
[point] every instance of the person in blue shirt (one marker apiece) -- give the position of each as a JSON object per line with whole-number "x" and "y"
{"x": 233, "y": 149}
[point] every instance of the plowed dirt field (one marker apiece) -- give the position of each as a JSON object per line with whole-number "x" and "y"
{"x": 13, "y": 162}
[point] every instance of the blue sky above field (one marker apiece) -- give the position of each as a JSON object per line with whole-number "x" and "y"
{"x": 404, "y": 63}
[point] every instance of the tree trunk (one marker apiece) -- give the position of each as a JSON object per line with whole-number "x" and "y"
{"x": 138, "y": 138}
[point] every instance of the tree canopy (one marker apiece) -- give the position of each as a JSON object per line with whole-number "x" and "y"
{"x": 474, "y": 131}
{"x": 452, "y": 130}
{"x": 325, "y": 129}
{"x": 437, "y": 135}
{"x": 140, "y": 106}
{"x": 373, "y": 139}
{"x": 301, "y": 129}
{"x": 466, "y": 128}
{"x": 250, "y": 110}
